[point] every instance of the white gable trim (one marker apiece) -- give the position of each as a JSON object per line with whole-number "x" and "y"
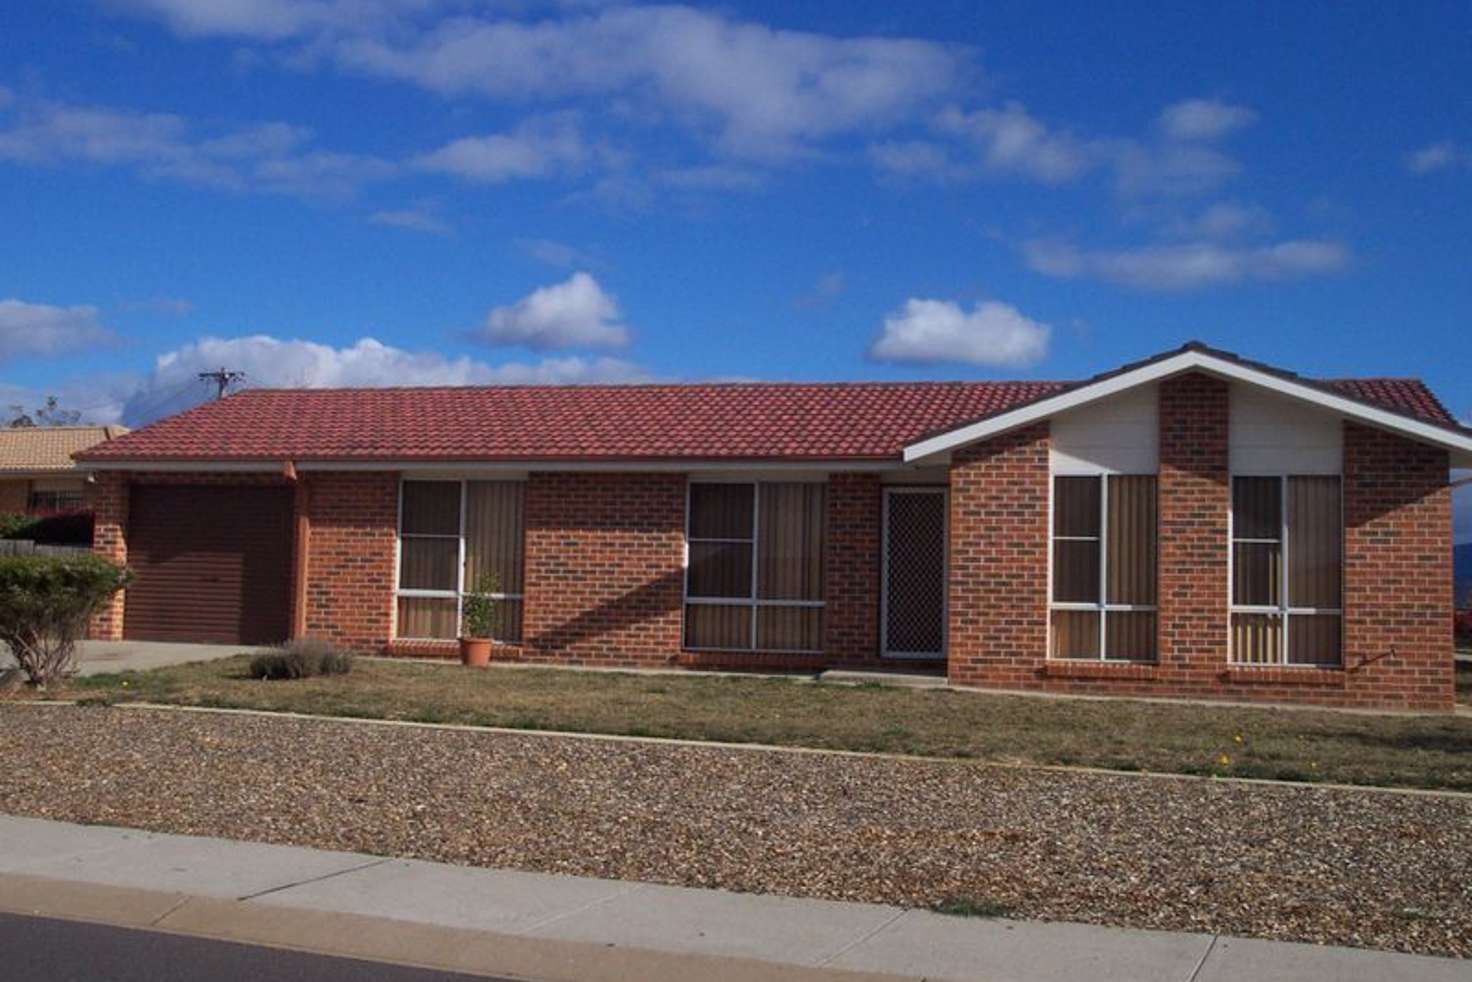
{"x": 1186, "y": 361}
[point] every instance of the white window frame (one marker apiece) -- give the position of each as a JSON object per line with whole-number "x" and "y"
{"x": 1283, "y": 610}
{"x": 1102, "y": 606}
{"x": 752, "y": 600}
{"x": 458, "y": 594}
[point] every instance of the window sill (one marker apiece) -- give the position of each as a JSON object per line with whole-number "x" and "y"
{"x": 1285, "y": 675}
{"x": 1066, "y": 669}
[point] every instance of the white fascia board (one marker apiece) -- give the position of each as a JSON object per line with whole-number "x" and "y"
{"x": 1459, "y": 445}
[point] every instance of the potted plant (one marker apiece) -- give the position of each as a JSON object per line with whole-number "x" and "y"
{"x": 478, "y": 622}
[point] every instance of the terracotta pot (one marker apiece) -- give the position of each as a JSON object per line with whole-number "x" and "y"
{"x": 475, "y": 652}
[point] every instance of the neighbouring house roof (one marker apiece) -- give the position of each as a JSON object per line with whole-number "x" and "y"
{"x": 790, "y": 422}
{"x": 42, "y": 450}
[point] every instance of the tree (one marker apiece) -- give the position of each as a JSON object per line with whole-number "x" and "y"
{"x": 50, "y": 414}
{"x": 45, "y": 604}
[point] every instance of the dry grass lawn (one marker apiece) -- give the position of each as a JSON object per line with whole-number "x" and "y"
{"x": 1305, "y": 745}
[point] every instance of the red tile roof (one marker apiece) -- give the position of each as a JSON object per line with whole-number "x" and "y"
{"x": 756, "y": 421}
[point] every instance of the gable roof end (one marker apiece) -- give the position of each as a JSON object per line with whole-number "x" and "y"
{"x": 1435, "y": 426}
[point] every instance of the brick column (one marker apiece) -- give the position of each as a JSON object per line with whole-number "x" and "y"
{"x": 1397, "y": 571}
{"x": 349, "y": 566}
{"x": 1195, "y": 503}
{"x": 605, "y": 573}
{"x": 851, "y": 617}
{"x": 107, "y": 499}
{"x": 998, "y": 577}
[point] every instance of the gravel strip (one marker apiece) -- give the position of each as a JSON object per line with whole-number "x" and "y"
{"x": 1303, "y": 864}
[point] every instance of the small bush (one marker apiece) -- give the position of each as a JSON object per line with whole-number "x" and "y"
{"x": 301, "y": 659}
{"x": 481, "y": 612}
{"x": 45, "y": 604}
{"x": 971, "y": 907}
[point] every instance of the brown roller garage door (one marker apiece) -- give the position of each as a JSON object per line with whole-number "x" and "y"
{"x": 212, "y": 564}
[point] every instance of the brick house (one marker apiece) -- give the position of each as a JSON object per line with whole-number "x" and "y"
{"x": 37, "y": 473}
{"x": 1191, "y": 525}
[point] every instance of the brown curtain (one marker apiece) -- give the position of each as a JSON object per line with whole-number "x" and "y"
{"x": 1315, "y": 543}
{"x": 1132, "y": 537}
{"x": 789, "y": 628}
{"x": 720, "y": 511}
{"x": 1076, "y": 560}
{"x": 430, "y": 508}
{"x": 1257, "y": 639}
{"x": 1257, "y": 508}
{"x": 428, "y": 564}
{"x": 493, "y": 534}
{"x": 1130, "y": 635}
{"x": 1314, "y": 639}
{"x": 717, "y": 626}
{"x": 422, "y": 618}
{"x": 790, "y": 553}
{"x": 720, "y": 570}
{"x": 1257, "y": 567}
{"x": 1076, "y": 506}
{"x": 1075, "y": 634}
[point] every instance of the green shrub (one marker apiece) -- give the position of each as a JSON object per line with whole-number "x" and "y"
{"x": 66, "y": 528}
{"x": 11, "y": 524}
{"x": 480, "y": 611}
{"x": 301, "y": 659}
{"x": 45, "y": 604}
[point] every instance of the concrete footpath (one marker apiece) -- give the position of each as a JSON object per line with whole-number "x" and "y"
{"x": 544, "y": 927}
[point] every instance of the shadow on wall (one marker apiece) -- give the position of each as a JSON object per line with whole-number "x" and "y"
{"x": 652, "y": 611}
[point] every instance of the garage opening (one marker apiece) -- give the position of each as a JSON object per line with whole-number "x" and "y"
{"x": 212, "y": 564}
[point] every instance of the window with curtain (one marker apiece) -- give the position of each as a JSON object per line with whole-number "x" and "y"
{"x": 452, "y": 536}
{"x": 754, "y": 580}
{"x": 1104, "y": 545}
{"x": 1287, "y": 569}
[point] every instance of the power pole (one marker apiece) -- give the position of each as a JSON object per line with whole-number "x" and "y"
{"x": 223, "y": 379}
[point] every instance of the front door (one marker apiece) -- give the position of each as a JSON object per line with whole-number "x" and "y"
{"x": 913, "y": 615}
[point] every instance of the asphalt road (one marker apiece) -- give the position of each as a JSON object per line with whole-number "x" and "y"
{"x": 38, "y": 949}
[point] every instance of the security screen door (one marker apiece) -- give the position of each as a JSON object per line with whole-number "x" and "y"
{"x": 913, "y": 619}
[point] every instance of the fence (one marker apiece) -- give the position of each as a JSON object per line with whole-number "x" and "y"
{"x": 25, "y": 547}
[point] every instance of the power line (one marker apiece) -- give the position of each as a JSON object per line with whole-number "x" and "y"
{"x": 223, "y": 379}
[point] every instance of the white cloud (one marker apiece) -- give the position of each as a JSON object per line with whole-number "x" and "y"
{"x": 275, "y": 362}
{"x": 1204, "y": 119}
{"x": 1438, "y": 156}
{"x": 38, "y": 329}
{"x": 1013, "y": 142}
{"x": 269, "y": 157}
{"x": 918, "y": 159}
{"x": 576, "y": 313}
{"x": 828, "y": 288}
{"x": 1188, "y": 266}
{"x": 1221, "y": 221}
{"x": 928, "y": 332}
{"x": 1169, "y": 169}
{"x": 271, "y": 20}
{"x": 555, "y": 253}
{"x": 712, "y": 177}
{"x": 539, "y": 147}
{"x": 763, "y": 92}
{"x": 417, "y": 219}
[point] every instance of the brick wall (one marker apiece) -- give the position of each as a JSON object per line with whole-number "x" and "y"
{"x": 1195, "y": 500}
{"x": 1397, "y": 571}
{"x": 851, "y": 566}
{"x": 999, "y": 560}
{"x": 107, "y": 499}
{"x": 15, "y": 497}
{"x": 1397, "y": 575}
{"x": 352, "y": 531}
{"x": 604, "y": 568}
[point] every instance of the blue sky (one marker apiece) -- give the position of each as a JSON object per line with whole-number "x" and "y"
{"x": 416, "y": 191}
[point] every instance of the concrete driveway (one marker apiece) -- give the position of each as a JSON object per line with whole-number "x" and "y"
{"x": 104, "y": 657}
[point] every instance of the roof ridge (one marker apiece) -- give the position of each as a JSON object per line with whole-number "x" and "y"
{"x": 564, "y": 386}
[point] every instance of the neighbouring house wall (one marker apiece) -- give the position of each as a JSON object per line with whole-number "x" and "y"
{"x": 851, "y": 568}
{"x": 1397, "y": 571}
{"x": 604, "y": 568}
{"x": 352, "y": 539}
{"x": 15, "y": 497}
{"x": 998, "y": 577}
